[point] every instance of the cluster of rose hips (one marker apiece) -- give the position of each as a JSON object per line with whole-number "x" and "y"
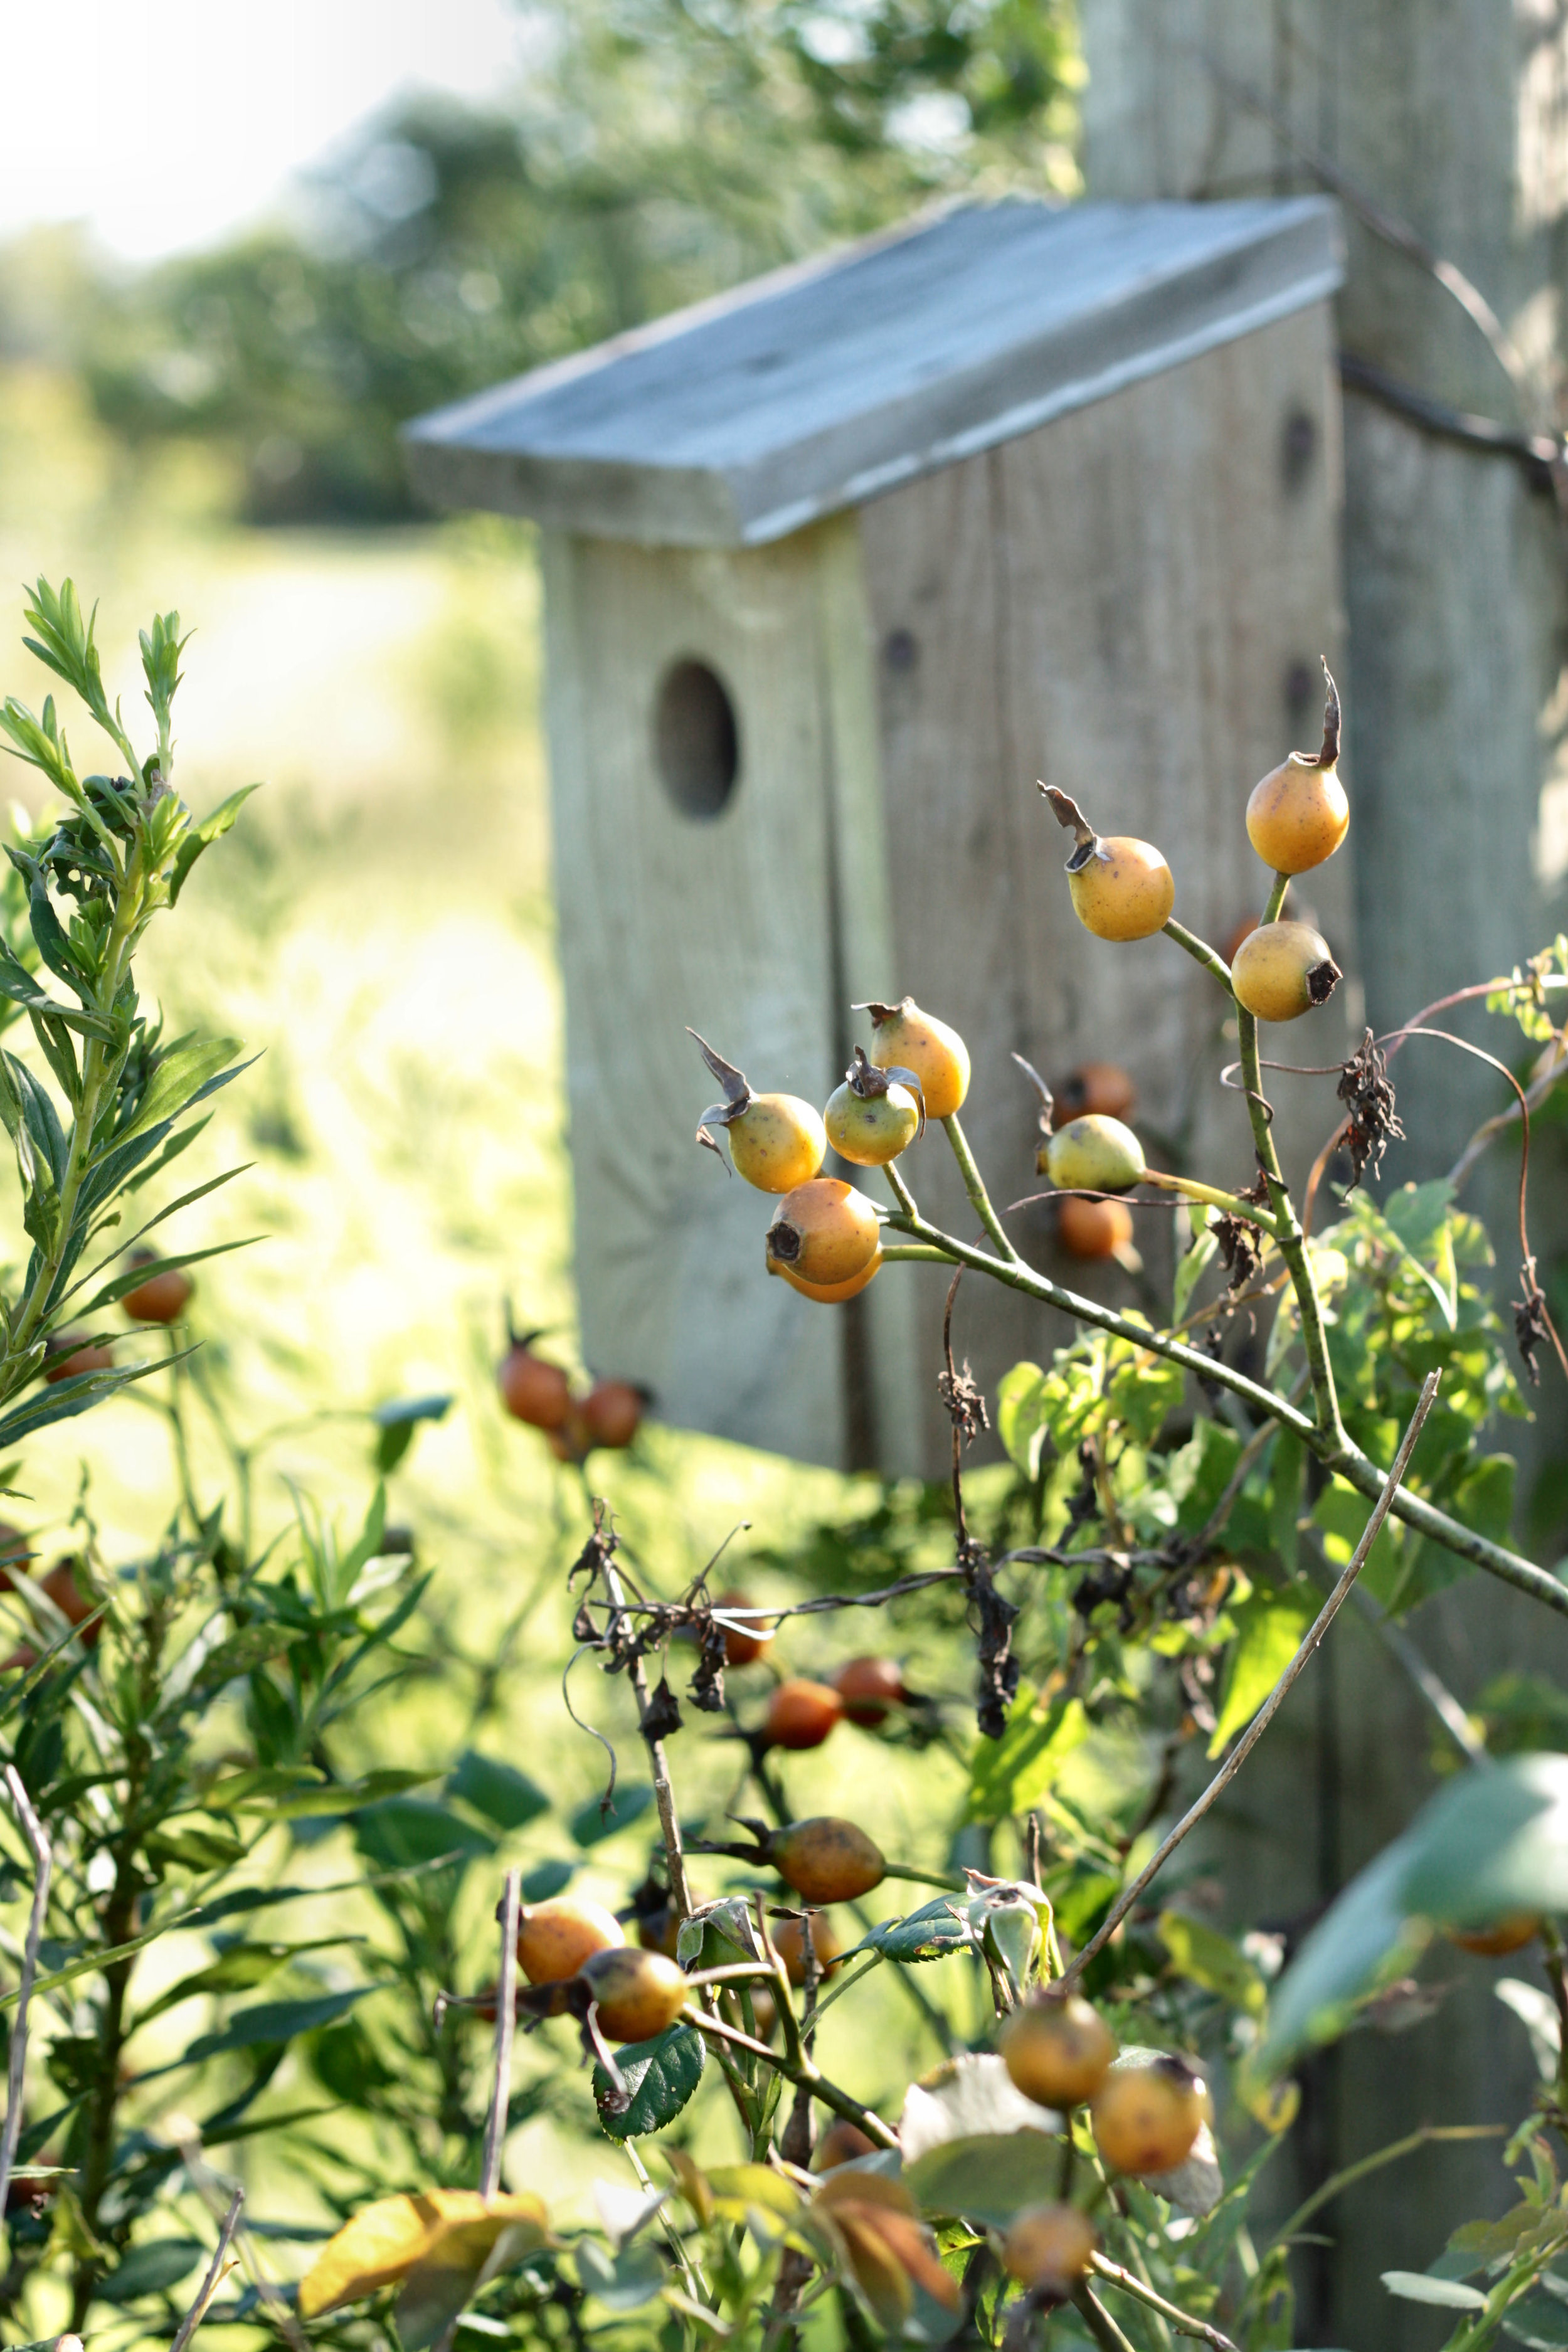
{"x": 1145, "y": 2111}
{"x": 826, "y": 1236}
{"x": 608, "y": 1413}
{"x": 162, "y": 1299}
{"x": 826, "y": 1239}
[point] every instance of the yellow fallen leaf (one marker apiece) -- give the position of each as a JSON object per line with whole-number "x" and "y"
{"x": 455, "y": 2228}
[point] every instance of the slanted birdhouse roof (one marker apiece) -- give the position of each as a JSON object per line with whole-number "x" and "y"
{"x": 820, "y": 386}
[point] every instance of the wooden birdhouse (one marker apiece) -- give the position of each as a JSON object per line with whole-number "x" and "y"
{"x": 835, "y": 568}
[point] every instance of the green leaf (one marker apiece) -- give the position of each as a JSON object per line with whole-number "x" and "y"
{"x": 661, "y": 2076}
{"x": 239, "y": 1969}
{"x": 595, "y": 1821}
{"x": 1488, "y": 1846}
{"x": 182, "y": 1073}
{"x": 293, "y": 1792}
{"x": 621, "y": 2282}
{"x": 404, "y": 1830}
{"x": 1196, "y": 1262}
{"x": 1417, "y": 2286}
{"x": 1272, "y": 1626}
{"x": 63, "y": 1400}
{"x": 1287, "y": 1480}
{"x": 1539, "y": 2320}
{"x": 929, "y": 1934}
{"x": 1021, "y": 1417}
{"x": 132, "y": 1277}
{"x": 17, "y": 984}
{"x": 1207, "y": 1958}
{"x": 242, "y": 1653}
{"x": 152, "y": 2269}
{"x": 277, "y": 2020}
{"x": 1491, "y": 1845}
{"x": 202, "y": 836}
{"x": 1010, "y": 1774}
{"x": 545, "y": 1879}
{"x": 1366, "y": 1937}
{"x": 500, "y": 1791}
{"x": 987, "y": 2179}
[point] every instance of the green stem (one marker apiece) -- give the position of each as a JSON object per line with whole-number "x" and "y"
{"x": 94, "y": 1070}
{"x": 805, "y": 2074}
{"x": 1227, "y": 1202}
{"x": 949, "y": 1881}
{"x": 1334, "y": 1449}
{"x": 1276, "y": 898}
{"x": 1289, "y": 1237}
{"x": 1201, "y": 952}
{"x": 1019, "y": 1276}
{"x": 913, "y": 1253}
{"x": 1101, "y": 2325}
{"x": 979, "y": 1198}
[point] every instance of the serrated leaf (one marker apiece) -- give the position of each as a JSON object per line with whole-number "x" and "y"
{"x": 498, "y": 1790}
{"x": 661, "y": 2076}
{"x": 931, "y": 1933}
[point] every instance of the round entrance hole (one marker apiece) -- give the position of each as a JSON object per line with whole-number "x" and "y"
{"x": 697, "y": 740}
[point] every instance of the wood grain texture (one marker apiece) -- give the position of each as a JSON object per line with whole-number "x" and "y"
{"x": 666, "y": 921}
{"x": 799, "y": 395}
{"x": 1121, "y": 604}
{"x": 1451, "y": 116}
{"x": 885, "y": 1355}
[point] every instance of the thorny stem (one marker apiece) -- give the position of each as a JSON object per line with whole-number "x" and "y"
{"x": 1338, "y": 1454}
{"x": 979, "y": 1198}
{"x": 1181, "y": 2321}
{"x": 806, "y": 2073}
{"x": 1289, "y": 1235}
{"x": 1275, "y": 1699}
{"x": 43, "y": 1865}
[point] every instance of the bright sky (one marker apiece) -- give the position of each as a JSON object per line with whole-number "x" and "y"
{"x": 166, "y": 122}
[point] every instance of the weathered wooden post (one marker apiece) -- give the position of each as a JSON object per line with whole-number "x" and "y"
{"x": 1441, "y": 129}
{"x": 834, "y": 568}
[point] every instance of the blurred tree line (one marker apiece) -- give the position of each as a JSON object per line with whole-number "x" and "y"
{"x": 657, "y": 152}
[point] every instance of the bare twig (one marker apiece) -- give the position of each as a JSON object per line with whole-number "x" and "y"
{"x": 664, "y": 1794}
{"x": 216, "y": 2268}
{"x": 1276, "y": 1697}
{"x": 1181, "y": 2321}
{"x": 506, "y": 2020}
{"x": 1101, "y": 2325}
{"x": 43, "y": 1864}
{"x": 1535, "y": 1094}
